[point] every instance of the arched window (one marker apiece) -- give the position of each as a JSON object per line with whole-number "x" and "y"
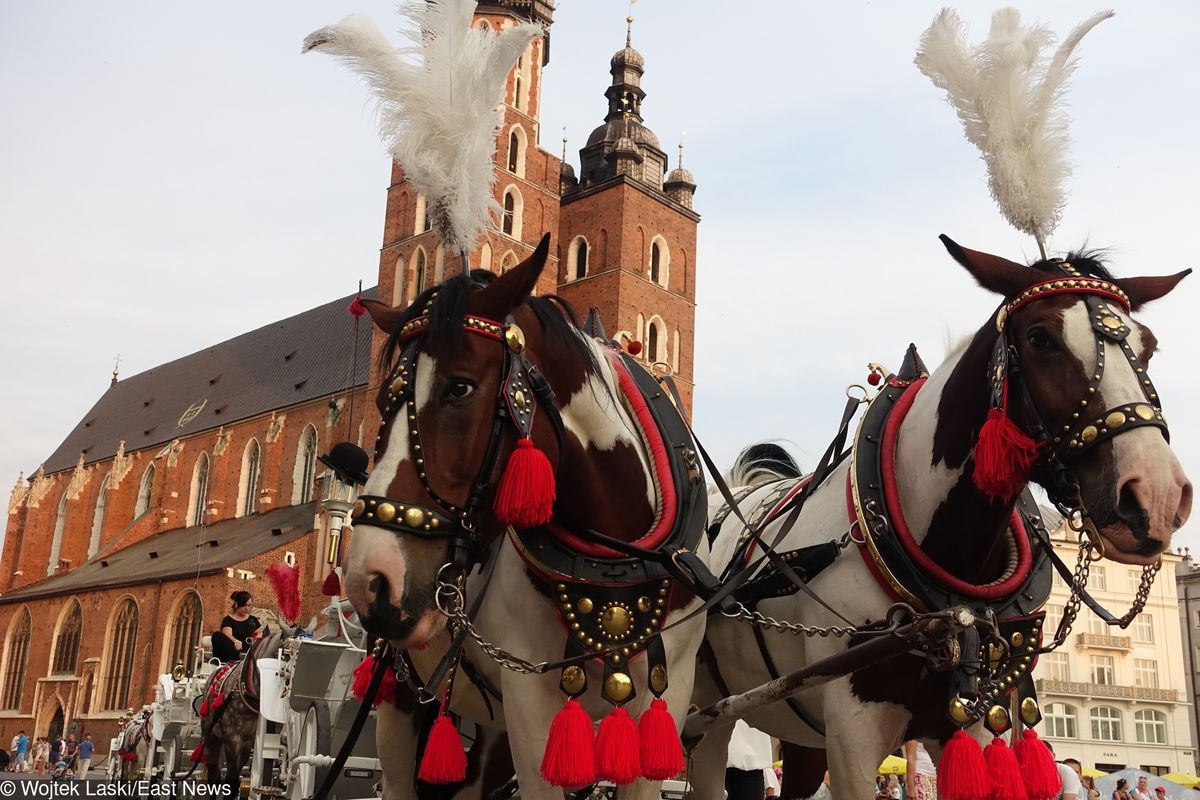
{"x": 1106, "y": 724}
{"x": 485, "y": 256}
{"x": 122, "y": 644}
{"x": 660, "y": 261}
{"x": 418, "y": 272}
{"x": 60, "y": 524}
{"x": 510, "y": 206}
{"x": 198, "y": 497}
{"x": 98, "y": 518}
{"x": 514, "y": 147}
{"x": 423, "y": 222}
{"x": 66, "y": 641}
{"x": 1061, "y": 721}
{"x": 16, "y": 659}
{"x": 143, "y": 498}
{"x": 577, "y": 258}
{"x": 517, "y": 92}
{"x": 185, "y": 633}
{"x": 484, "y": 27}
{"x": 304, "y": 474}
{"x": 652, "y": 343}
{"x": 248, "y": 488}
{"x": 508, "y": 262}
{"x": 1151, "y": 726}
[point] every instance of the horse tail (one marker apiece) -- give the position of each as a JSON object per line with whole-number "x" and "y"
{"x": 762, "y": 463}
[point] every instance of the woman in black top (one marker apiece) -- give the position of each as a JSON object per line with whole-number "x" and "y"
{"x": 238, "y": 628}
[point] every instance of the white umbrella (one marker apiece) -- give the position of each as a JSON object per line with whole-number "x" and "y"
{"x": 1108, "y": 783}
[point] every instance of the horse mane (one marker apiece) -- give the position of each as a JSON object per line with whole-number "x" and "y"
{"x": 1089, "y": 261}
{"x": 446, "y": 305}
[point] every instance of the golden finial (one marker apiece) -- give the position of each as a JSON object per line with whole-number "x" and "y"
{"x": 681, "y": 135}
{"x": 116, "y": 368}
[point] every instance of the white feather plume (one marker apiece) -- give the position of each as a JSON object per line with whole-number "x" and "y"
{"x": 1010, "y": 99}
{"x": 438, "y": 101}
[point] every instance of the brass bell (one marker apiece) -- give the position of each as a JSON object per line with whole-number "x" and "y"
{"x": 997, "y": 719}
{"x": 1030, "y": 713}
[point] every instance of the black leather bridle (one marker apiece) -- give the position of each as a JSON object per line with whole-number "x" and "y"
{"x": 1086, "y": 428}
{"x": 523, "y": 388}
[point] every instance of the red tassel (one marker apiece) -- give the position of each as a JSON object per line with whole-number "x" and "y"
{"x": 1003, "y": 457}
{"x": 356, "y": 307}
{"x": 362, "y": 680}
{"x": 285, "y": 580}
{"x": 197, "y": 754}
{"x": 332, "y": 585}
{"x": 617, "y": 749}
{"x": 128, "y": 756}
{"x": 1004, "y": 772}
{"x": 659, "y": 747}
{"x": 962, "y": 774}
{"x": 218, "y": 702}
{"x": 1038, "y": 767}
{"x": 525, "y": 497}
{"x": 204, "y": 708}
{"x": 444, "y": 760}
{"x": 568, "y": 759}
{"x": 634, "y": 347}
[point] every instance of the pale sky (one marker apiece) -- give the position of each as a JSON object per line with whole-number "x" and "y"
{"x": 173, "y": 175}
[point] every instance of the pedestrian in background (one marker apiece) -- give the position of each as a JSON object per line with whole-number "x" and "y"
{"x": 85, "y": 756}
{"x": 41, "y": 754}
{"x": 1122, "y": 790}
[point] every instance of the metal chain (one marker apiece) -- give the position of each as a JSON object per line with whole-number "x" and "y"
{"x": 450, "y": 602}
{"x": 783, "y": 626}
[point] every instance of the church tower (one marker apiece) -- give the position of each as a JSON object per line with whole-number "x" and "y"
{"x": 628, "y": 236}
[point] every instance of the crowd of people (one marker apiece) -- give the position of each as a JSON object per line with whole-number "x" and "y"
{"x": 51, "y": 756}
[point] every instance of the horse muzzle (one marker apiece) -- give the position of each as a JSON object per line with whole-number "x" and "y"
{"x": 376, "y": 583}
{"x": 1148, "y": 511}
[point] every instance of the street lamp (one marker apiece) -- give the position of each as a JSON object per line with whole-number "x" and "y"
{"x": 346, "y": 473}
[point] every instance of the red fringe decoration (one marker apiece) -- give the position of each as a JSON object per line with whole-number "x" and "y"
{"x": 617, "y": 749}
{"x": 204, "y": 707}
{"x": 962, "y": 774}
{"x": 217, "y": 702}
{"x": 285, "y": 580}
{"x": 332, "y": 585}
{"x": 357, "y": 308}
{"x": 197, "y": 754}
{"x": 568, "y": 759}
{"x": 128, "y": 756}
{"x": 659, "y": 747}
{"x": 362, "y": 680}
{"x": 525, "y": 497}
{"x": 1003, "y": 457}
{"x": 1038, "y": 767}
{"x": 1004, "y": 772}
{"x": 444, "y": 760}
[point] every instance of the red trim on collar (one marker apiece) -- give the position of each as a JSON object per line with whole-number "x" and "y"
{"x": 921, "y": 559}
{"x": 659, "y": 463}
{"x": 863, "y": 550}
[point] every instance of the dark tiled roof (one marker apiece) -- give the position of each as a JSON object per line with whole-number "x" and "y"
{"x": 279, "y": 365}
{"x": 179, "y": 553}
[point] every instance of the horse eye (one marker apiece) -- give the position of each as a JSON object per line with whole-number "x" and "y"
{"x": 460, "y": 390}
{"x": 1038, "y": 339}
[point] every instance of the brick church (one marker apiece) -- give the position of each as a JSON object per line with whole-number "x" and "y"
{"x": 183, "y": 483}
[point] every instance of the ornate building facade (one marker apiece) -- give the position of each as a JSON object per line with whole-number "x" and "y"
{"x": 1115, "y": 698}
{"x": 185, "y": 482}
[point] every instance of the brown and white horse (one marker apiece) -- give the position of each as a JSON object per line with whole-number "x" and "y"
{"x": 1130, "y": 482}
{"x": 605, "y": 482}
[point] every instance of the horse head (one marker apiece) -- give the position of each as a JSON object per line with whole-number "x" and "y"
{"x": 1068, "y": 365}
{"x": 471, "y": 364}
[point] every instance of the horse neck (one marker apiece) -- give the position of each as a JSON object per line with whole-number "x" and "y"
{"x": 949, "y": 517}
{"x": 604, "y": 457}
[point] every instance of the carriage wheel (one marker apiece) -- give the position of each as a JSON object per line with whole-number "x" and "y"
{"x": 170, "y": 758}
{"x": 314, "y": 739}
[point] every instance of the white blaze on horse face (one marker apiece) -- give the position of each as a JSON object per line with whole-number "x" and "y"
{"x": 599, "y": 423}
{"x": 1144, "y": 461}
{"x": 425, "y": 369}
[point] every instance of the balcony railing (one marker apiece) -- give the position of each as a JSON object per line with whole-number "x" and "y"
{"x": 1103, "y": 640}
{"x": 1106, "y": 690}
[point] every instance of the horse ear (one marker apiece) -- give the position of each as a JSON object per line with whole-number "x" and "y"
{"x": 993, "y": 273}
{"x": 384, "y": 316}
{"x": 1143, "y": 290}
{"x": 514, "y": 287}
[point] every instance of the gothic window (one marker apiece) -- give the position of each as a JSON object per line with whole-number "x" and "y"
{"x": 660, "y": 261}
{"x": 418, "y": 272}
{"x": 60, "y": 524}
{"x": 306, "y": 467}
{"x": 144, "y": 490}
{"x": 577, "y": 258}
{"x": 98, "y": 518}
{"x": 513, "y": 147}
{"x": 66, "y": 641}
{"x": 510, "y": 204}
{"x": 16, "y": 659}
{"x": 1106, "y": 724}
{"x": 198, "y": 497}
{"x": 185, "y": 633}
{"x": 1150, "y": 726}
{"x": 508, "y": 262}
{"x": 652, "y": 343}
{"x": 248, "y": 490}
{"x": 118, "y": 667}
{"x": 485, "y": 256}
{"x": 517, "y": 92}
{"x": 1061, "y": 721}
{"x": 655, "y": 259}
{"x": 422, "y": 222}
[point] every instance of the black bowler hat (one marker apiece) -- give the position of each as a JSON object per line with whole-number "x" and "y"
{"x": 348, "y": 460}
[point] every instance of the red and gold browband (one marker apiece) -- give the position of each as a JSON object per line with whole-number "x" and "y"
{"x": 483, "y": 327}
{"x": 1069, "y": 285}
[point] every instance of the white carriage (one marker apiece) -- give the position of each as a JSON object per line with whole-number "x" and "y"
{"x": 174, "y": 725}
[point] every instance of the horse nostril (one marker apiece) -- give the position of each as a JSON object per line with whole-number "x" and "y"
{"x": 1185, "y": 505}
